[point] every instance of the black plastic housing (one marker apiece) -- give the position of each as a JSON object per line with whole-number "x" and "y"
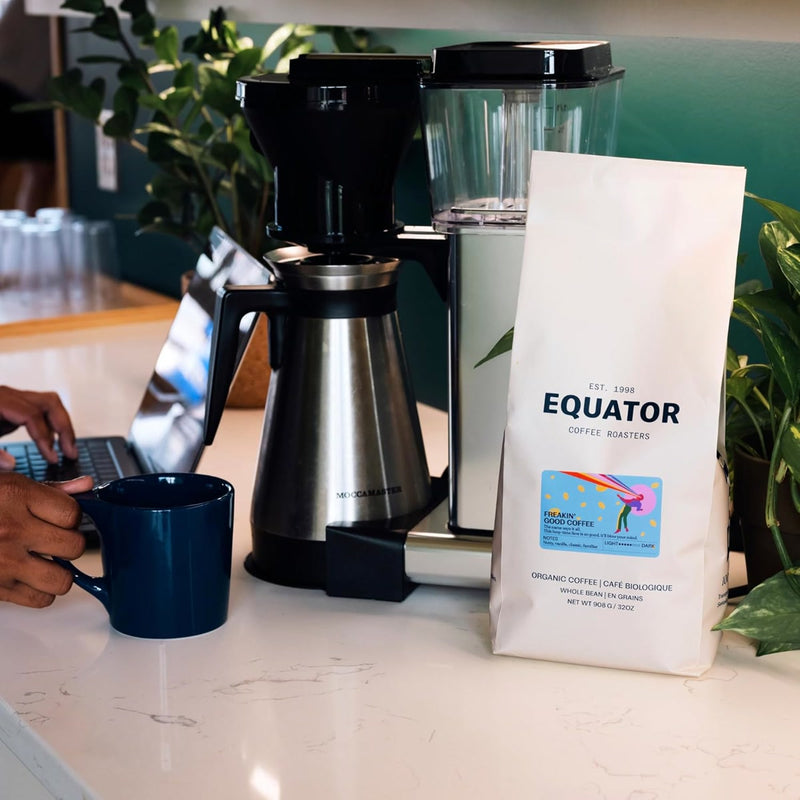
{"x": 335, "y": 130}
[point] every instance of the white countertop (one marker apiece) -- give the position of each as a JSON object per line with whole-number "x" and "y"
{"x": 300, "y": 695}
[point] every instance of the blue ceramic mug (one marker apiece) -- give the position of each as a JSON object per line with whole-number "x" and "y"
{"x": 166, "y": 543}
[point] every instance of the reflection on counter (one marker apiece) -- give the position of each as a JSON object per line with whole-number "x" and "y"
{"x": 58, "y": 267}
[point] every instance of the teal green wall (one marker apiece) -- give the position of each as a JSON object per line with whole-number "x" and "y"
{"x": 683, "y": 100}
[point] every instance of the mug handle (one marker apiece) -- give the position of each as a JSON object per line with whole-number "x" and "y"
{"x": 97, "y": 587}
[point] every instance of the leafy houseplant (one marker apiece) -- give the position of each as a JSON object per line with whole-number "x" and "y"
{"x": 763, "y": 405}
{"x": 180, "y": 109}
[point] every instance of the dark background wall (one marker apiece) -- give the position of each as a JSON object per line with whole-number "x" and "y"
{"x": 691, "y": 100}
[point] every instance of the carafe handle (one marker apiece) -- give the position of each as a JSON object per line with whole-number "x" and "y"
{"x": 232, "y": 303}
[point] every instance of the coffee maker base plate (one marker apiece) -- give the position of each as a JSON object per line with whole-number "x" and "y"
{"x": 288, "y": 562}
{"x": 360, "y": 561}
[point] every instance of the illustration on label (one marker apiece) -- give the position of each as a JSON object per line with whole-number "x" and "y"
{"x": 591, "y": 512}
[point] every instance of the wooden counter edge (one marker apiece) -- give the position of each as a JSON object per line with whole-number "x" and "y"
{"x": 91, "y": 319}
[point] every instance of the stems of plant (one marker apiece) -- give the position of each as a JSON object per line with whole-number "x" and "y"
{"x": 795, "y": 492}
{"x": 756, "y": 426}
{"x": 771, "y": 506}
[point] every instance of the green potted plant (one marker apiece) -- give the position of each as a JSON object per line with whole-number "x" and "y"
{"x": 763, "y": 432}
{"x": 180, "y": 109}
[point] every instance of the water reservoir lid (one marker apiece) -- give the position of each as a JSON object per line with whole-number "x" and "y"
{"x": 560, "y": 61}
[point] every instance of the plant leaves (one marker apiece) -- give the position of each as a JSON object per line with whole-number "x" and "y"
{"x": 768, "y": 302}
{"x": 168, "y": 193}
{"x": 160, "y": 150}
{"x": 152, "y": 211}
{"x": 767, "y": 648}
{"x": 739, "y": 387}
{"x": 69, "y": 90}
{"x": 126, "y": 101}
{"x": 770, "y": 613}
{"x": 134, "y": 7}
{"x": 133, "y": 74}
{"x": 790, "y": 449}
{"x": 159, "y": 127}
{"x": 152, "y": 101}
{"x": 219, "y": 92}
{"x": 305, "y": 31}
{"x": 143, "y": 25}
{"x": 783, "y": 355}
{"x": 295, "y": 50}
{"x": 119, "y": 126}
{"x": 216, "y": 38}
{"x": 732, "y": 360}
{"x": 185, "y": 76}
{"x": 772, "y": 237}
{"x": 101, "y": 60}
{"x": 748, "y": 287}
{"x": 142, "y": 22}
{"x": 503, "y": 346}
{"x": 87, "y": 6}
{"x": 789, "y": 263}
{"x": 790, "y": 217}
{"x": 244, "y": 63}
{"x": 343, "y": 40}
{"x": 186, "y": 148}
{"x": 175, "y": 100}
{"x": 106, "y": 25}
{"x": 200, "y": 159}
{"x": 253, "y": 158}
{"x": 277, "y": 39}
{"x": 166, "y": 45}
{"x": 225, "y": 153}
{"x": 36, "y": 105}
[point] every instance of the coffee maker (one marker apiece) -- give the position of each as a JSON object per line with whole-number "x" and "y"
{"x": 342, "y": 463}
{"x": 343, "y": 501}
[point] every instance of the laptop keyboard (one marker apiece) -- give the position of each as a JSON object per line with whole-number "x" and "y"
{"x": 94, "y": 458}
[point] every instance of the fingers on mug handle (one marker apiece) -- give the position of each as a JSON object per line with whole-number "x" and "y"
{"x": 23, "y": 595}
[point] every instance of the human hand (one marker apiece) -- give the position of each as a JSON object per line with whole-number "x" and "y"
{"x": 44, "y": 417}
{"x": 38, "y": 520}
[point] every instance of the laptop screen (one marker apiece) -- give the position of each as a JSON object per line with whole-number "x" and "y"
{"x": 167, "y": 432}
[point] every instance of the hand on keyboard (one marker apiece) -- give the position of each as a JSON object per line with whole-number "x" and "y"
{"x": 45, "y": 418}
{"x": 92, "y": 459}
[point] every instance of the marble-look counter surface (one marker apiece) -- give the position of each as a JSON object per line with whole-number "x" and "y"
{"x": 300, "y": 695}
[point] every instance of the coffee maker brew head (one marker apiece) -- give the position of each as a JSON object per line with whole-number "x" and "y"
{"x": 335, "y": 130}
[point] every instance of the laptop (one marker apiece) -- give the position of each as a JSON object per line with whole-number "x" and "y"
{"x": 166, "y": 434}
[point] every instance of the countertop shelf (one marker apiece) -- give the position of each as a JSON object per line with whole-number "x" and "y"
{"x": 101, "y": 301}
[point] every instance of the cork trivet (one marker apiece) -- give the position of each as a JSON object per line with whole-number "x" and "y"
{"x": 249, "y": 387}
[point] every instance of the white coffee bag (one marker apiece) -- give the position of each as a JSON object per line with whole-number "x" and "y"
{"x": 611, "y": 540}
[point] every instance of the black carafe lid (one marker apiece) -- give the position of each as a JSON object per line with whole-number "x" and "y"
{"x": 335, "y": 130}
{"x": 511, "y": 63}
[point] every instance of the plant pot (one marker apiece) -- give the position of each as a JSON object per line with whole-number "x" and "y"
{"x": 749, "y": 500}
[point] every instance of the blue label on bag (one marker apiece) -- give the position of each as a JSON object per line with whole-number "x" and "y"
{"x": 587, "y": 512}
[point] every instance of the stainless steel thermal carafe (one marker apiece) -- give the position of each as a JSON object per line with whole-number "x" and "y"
{"x": 341, "y": 442}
